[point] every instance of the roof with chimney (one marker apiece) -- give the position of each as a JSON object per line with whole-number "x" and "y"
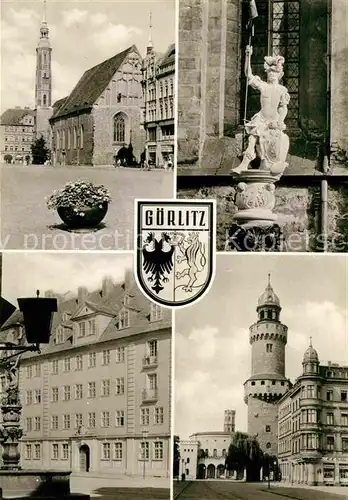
{"x": 108, "y": 301}
{"x": 14, "y": 116}
{"x": 91, "y": 85}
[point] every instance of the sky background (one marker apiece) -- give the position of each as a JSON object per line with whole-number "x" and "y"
{"x": 213, "y": 354}
{"x": 24, "y": 273}
{"x": 82, "y": 35}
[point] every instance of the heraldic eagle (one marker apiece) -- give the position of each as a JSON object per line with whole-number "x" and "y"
{"x": 158, "y": 259}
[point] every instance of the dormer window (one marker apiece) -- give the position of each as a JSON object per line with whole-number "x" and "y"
{"x": 155, "y": 312}
{"x": 123, "y": 320}
{"x": 82, "y": 329}
{"x": 60, "y": 337}
{"x": 66, "y": 316}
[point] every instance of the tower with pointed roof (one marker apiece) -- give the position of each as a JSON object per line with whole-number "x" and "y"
{"x": 267, "y": 382}
{"x": 43, "y": 82}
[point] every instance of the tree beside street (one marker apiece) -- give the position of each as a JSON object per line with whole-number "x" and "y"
{"x": 176, "y": 456}
{"x": 244, "y": 453}
{"x": 39, "y": 151}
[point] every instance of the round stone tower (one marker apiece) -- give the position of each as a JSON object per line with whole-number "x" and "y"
{"x": 267, "y": 383}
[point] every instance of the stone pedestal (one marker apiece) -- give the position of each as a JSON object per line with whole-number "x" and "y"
{"x": 254, "y": 226}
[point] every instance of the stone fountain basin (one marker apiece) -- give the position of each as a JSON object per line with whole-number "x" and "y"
{"x": 48, "y": 485}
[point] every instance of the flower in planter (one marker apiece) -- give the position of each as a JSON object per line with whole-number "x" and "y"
{"x": 78, "y": 195}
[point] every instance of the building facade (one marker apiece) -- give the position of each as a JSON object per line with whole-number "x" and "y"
{"x": 97, "y": 398}
{"x": 99, "y": 121}
{"x": 17, "y": 133}
{"x": 188, "y": 459}
{"x": 158, "y": 115}
{"x": 43, "y": 85}
{"x": 313, "y": 425}
{"x": 312, "y": 36}
{"x": 267, "y": 383}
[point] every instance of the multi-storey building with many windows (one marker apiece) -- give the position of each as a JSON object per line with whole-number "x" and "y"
{"x": 17, "y": 133}
{"x": 97, "y": 397}
{"x": 313, "y": 425}
{"x": 158, "y": 90}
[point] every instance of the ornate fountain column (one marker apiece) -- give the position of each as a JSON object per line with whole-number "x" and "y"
{"x": 11, "y": 430}
{"x": 254, "y": 226}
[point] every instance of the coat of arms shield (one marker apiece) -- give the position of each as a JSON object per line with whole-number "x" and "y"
{"x": 175, "y": 249}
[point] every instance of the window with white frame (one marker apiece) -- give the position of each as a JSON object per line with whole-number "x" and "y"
{"x": 29, "y": 371}
{"x": 105, "y": 387}
{"x": 79, "y": 362}
{"x": 159, "y": 413}
{"x": 54, "y": 367}
{"x": 28, "y": 452}
{"x": 106, "y": 451}
{"x": 37, "y": 422}
{"x": 37, "y": 370}
{"x": 55, "y": 451}
{"x": 55, "y": 394}
{"x": 91, "y": 390}
{"x": 37, "y": 396}
{"x": 66, "y": 421}
{"x": 145, "y": 416}
{"x": 106, "y": 357}
{"x": 67, "y": 364}
{"x": 152, "y": 381}
{"x": 78, "y": 391}
{"x": 120, "y": 354}
{"x": 91, "y": 420}
{"x": 155, "y": 312}
{"x": 29, "y": 424}
{"x": 120, "y": 385}
{"x": 54, "y": 422}
{"x": 92, "y": 359}
{"x": 152, "y": 348}
{"x": 118, "y": 450}
{"x": 144, "y": 450}
{"x": 158, "y": 450}
{"x": 65, "y": 451}
{"x": 37, "y": 451}
{"x": 78, "y": 420}
{"x": 29, "y": 397}
{"x": 82, "y": 329}
{"x": 91, "y": 327}
{"x": 119, "y": 418}
{"x": 105, "y": 419}
{"x": 66, "y": 393}
{"x": 123, "y": 319}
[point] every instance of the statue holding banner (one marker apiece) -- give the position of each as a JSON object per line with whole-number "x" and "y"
{"x": 265, "y": 130}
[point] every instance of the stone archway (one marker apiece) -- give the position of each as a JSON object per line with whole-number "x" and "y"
{"x": 220, "y": 471}
{"x": 201, "y": 471}
{"x": 85, "y": 458}
{"x": 211, "y": 471}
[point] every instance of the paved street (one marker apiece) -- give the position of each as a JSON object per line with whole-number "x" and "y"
{"x": 221, "y": 490}
{"x": 28, "y": 224}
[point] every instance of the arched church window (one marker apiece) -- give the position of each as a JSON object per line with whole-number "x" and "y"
{"x": 44, "y": 100}
{"x": 119, "y": 128}
{"x": 44, "y": 58}
{"x": 81, "y": 137}
{"x": 75, "y": 138}
{"x": 58, "y": 139}
{"x": 69, "y": 138}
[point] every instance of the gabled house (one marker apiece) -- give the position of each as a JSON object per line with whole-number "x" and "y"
{"x": 100, "y": 120}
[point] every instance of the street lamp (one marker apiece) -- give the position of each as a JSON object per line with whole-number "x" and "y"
{"x": 37, "y": 318}
{"x": 144, "y": 435}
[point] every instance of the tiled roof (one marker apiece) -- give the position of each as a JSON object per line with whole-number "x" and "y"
{"x": 15, "y": 115}
{"x": 111, "y": 305}
{"x": 90, "y": 86}
{"x": 169, "y": 56}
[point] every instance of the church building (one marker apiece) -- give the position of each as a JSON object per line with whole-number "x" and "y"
{"x": 100, "y": 120}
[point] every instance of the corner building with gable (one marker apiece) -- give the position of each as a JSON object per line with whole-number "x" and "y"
{"x": 267, "y": 382}
{"x": 96, "y": 400}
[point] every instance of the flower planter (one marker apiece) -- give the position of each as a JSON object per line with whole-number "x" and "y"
{"x": 86, "y": 217}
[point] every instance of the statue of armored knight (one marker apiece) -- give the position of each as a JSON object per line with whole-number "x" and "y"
{"x": 267, "y": 139}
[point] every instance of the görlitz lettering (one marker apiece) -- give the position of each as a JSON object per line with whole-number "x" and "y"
{"x": 175, "y": 218}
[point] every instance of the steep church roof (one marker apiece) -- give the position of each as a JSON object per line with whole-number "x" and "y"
{"x": 92, "y": 83}
{"x": 13, "y": 116}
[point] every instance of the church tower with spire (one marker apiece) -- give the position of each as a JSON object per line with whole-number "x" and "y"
{"x": 43, "y": 82}
{"x": 267, "y": 382}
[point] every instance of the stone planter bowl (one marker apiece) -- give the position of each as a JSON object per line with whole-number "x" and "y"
{"x": 92, "y": 216}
